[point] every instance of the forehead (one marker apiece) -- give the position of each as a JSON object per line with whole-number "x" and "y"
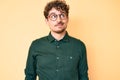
{"x": 53, "y": 10}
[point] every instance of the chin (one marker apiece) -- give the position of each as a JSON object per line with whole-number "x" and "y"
{"x": 59, "y": 31}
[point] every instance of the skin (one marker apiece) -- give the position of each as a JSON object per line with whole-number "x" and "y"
{"x": 58, "y": 27}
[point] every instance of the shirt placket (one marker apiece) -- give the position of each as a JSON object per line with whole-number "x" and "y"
{"x": 58, "y": 58}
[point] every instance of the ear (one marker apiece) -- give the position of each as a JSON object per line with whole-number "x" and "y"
{"x": 46, "y": 20}
{"x": 67, "y": 19}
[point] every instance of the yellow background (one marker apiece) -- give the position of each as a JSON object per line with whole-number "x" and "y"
{"x": 96, "y": 22}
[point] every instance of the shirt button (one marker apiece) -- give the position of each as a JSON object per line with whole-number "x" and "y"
{"x": 57, "y": 57}
{"x": 57, "y": 70}
{"x": 71, "y": 57}
{"x": 57, "y": 46}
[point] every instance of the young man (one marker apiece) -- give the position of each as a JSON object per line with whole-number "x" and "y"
{"x": 57, "y": 56}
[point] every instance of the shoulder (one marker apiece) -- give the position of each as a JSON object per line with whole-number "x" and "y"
{"x": 76, "y": 41}
{"x": 78, "y": 45}
{"x": 39, "y": 41}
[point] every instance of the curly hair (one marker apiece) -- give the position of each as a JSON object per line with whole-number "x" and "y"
{"x": 60, "y": 5}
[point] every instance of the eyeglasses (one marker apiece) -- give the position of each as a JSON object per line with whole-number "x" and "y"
{"x": 53, "y": 16}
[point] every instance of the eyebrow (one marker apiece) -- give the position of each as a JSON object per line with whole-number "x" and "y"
{"x": 55, "y": 13}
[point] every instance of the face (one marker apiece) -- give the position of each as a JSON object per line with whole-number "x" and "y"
{"x": 57, "y": 21}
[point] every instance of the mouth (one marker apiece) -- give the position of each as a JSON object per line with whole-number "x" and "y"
{"x": 60, "y": 24}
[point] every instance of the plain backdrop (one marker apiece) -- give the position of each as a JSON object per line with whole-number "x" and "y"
{"x": 95, "y": 22}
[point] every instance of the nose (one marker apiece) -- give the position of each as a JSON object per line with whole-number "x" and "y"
{"x": 58, "y": 19}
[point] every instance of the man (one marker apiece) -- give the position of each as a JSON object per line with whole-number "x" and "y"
{"x": 57, "y": 56}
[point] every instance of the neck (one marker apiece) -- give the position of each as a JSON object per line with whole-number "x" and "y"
{"x": 58, "y": 36}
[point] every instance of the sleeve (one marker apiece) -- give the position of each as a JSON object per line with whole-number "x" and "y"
{"x": 30, "y": 70}
{"x": 83, "y": 66}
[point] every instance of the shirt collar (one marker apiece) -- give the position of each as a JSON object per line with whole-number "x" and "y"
{"x": 65, "y": 38}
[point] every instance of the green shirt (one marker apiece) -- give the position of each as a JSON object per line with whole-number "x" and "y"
{"x": 57, "y": 60}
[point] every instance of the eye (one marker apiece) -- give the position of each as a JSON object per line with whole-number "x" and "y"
{"x": 63, "y": 15}
{"x": 53, "y": 16}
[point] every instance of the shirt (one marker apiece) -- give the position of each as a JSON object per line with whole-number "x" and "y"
{"x": 50, "y": 59}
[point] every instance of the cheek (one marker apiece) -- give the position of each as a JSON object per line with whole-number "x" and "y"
{"x": 66, "y": 21}
{"x": 51, "y": 24}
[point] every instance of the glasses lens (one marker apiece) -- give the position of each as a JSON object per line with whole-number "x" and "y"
{"x": 54, "y": 16}
{"x": 63, "y": 16}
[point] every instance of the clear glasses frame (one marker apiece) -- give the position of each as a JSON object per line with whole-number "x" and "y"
{"x": 53, "y": 16}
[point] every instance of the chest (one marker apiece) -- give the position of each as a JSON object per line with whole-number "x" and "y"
{"x": 62, "y": 55}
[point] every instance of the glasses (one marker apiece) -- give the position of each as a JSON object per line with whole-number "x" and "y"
{"x": 53, "y": 16}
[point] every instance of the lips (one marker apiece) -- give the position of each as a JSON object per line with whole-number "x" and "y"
{"x": 59, "y": 24}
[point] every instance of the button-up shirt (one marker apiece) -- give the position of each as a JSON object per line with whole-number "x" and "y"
{"x": 50, "y": 59}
